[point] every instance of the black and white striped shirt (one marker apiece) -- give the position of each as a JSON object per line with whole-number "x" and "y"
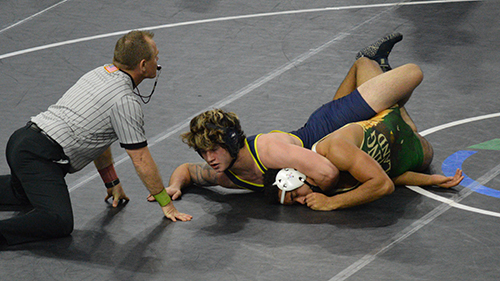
{"x": 95, "y": 112}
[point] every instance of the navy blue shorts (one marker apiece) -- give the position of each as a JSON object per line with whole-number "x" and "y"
{"x": 332, "y": 116}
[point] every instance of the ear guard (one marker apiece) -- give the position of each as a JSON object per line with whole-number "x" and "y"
{"x": 289, "y": 179}
{"x": 231, "y": 138}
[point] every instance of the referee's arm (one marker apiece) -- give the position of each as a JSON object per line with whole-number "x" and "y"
{"x": 146, "y": 169}
{"x": 105, "y": 167}
{"x": 150, "y": 175}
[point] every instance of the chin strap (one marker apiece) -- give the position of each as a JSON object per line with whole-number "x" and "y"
{"x": 231, "y": 165}
{"x": 314, "y": 188}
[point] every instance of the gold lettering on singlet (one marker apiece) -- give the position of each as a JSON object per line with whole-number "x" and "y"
{"x": 378, "y": 149}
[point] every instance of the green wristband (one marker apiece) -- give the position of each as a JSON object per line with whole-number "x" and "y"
{"x": 162, "y": 198}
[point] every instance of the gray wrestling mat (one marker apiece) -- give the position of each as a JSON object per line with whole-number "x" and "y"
{"x": 273, "y": 63}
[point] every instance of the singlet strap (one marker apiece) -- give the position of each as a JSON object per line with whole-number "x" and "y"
{"x": 290, "y": 134}
{"x": 243, "y": 183}
{"x": 251, "y": 143}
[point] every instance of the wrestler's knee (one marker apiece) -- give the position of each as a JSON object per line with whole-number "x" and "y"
{"x": 414, "y": 71}
{"x": 364, "y": 61}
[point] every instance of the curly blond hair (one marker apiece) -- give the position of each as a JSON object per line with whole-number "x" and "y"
{"x": 211, "y": 128}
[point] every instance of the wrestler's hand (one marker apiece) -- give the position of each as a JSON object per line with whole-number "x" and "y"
{"x": 318, "y": 202}
{"x": 116, "y": 192}
{"x": 173, "y": 192}
{"x": 171, "y": 212}
{"x": 447, "y": 182}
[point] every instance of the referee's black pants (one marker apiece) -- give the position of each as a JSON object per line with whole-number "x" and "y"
{"x": 36, "y": 180}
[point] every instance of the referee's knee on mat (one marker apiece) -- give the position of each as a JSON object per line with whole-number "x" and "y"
{"x": 62, "y": 224}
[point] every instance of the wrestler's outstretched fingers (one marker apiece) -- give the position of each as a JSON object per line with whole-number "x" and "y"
{"x": 452, "y": 181}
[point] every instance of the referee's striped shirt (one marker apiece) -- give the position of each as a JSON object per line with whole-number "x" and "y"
{"x": 98, "y": 110}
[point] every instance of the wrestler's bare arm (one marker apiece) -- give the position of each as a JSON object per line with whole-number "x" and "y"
{"x": 199, "y": 174}
{"x": 347, "y": 157}
{"x": 276, "y": 154}
{"x": 203, "y": 175}
{"x": 189, "y": 174}
{"x": 420, "y": 179}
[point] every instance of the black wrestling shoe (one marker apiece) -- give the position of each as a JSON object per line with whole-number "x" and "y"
{"x": 380, "y": 50}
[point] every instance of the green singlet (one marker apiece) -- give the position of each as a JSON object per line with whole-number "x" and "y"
{"x": 392, "y": 143}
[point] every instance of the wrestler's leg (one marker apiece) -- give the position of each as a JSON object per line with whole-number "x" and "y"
{"x": 428, "y": 152}
{"x": 406, "y": 117}
{"x": 365, "y": 68}
{"x": 361, "y": 71}
{"x": 389, "y": 88}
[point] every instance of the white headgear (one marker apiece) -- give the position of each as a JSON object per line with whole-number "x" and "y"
{"x": 289, "y": 179}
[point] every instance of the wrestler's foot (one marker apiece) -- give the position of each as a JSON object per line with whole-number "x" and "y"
{"x": 380, "y": 50}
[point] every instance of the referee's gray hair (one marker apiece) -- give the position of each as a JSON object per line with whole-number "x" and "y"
{"x": 133, "y": 47}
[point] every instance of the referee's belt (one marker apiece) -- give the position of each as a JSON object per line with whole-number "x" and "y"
{"x": 33, "y": 126}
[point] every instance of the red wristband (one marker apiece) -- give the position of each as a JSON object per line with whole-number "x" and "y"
{"x": 108, "y": 174}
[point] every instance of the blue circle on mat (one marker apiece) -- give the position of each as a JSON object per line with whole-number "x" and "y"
{"x": 455, "y": 161}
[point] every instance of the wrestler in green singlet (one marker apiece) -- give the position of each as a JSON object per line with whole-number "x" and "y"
{"x": 392, "y": 143}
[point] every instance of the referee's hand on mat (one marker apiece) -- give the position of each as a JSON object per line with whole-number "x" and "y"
{"x": 171, "y": 212}
{"x": 116, "y": 192}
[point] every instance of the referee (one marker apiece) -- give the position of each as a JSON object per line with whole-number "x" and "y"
{"x": 98, "y": 110}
